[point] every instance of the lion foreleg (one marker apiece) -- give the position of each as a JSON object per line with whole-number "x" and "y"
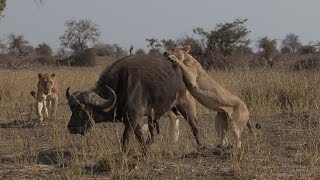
{"x": 40, "y": 105}
{"x": 45, "y": 108}
{"x": 188, "y": 75}
{"x": 54, "y": 107}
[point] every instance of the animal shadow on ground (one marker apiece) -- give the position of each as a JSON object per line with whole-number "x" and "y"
{"x": 19, "y": 124}
{"x": 105, "y": 165}
{"x": 216, "y": 152}
{"x": 48, "y": 157}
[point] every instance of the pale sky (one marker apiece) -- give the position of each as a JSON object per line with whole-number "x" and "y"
{"x": 132, "y": 21}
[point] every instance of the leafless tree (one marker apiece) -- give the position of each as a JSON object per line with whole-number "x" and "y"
{"x": 79, "y": 34}
{"x": 17, "y": 44}
{"x": 292, "y": 42}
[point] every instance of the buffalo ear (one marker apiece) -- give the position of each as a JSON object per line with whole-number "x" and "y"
{"x": 40, "y": 75}
{"x": 186, "y": 48}
{"x": 53, "y": 75}
{"x": 166, "y": 54}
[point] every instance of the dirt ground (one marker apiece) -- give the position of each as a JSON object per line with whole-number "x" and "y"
{"x": 286, "y": 148}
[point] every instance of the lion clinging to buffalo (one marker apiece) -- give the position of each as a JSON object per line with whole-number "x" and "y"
{"x": 231, "y": 109}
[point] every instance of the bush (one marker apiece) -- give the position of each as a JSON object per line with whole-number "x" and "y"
{"x": 84, "y": 58}
{"x": 44, "y": 49}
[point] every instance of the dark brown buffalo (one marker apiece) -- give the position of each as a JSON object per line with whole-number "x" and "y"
{"x": 140, "y": 85}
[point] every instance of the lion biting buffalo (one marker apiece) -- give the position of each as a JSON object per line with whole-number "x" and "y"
{"x": 131, "y": 88}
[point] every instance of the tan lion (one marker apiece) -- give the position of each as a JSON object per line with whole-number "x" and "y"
{"x": 232, "y": 111}
{"x": 47, "y": 96}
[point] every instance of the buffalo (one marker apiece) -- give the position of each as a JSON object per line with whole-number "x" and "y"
{"x": 131, "y": 88}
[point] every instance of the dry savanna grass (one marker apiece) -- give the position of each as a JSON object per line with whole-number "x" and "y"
{"x": 283, "y": 103}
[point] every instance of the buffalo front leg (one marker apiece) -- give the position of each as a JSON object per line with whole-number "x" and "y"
{"x": 153, "y": 122}
{"x": 131, "y": 126}
{"x": 126, "y": 136}
{"x": 139, "y": 135}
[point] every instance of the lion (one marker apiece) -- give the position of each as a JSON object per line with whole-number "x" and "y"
{"x": 47, "y": 96}
{"x": 231, "y": 110}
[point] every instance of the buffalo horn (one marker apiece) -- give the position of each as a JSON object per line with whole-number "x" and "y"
{"x": 92, "y": 98}
{"x": 68, "y": 93}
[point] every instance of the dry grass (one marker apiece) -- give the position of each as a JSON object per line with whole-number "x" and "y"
{"x": 284, "y": 103}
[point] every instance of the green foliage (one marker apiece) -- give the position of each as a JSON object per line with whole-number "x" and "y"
{"x": 44, "y": 49}
{"x": 197, "y": 49}
{"x": 168, "y": 44}
{"x": 226, "y": 37}
{"x": 268, "y": 47}
{"x": 79, "y": 34}
{"x": 153, "y": 43}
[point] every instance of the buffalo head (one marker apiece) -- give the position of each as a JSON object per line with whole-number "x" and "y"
{"x": 83, "y": 106}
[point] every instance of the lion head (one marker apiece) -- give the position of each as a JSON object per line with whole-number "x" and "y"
{"x": 180, "y": 52}
{"x": 46, "y": 83}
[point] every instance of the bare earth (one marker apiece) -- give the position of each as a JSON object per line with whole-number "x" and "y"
{"x": 285, "y": 149}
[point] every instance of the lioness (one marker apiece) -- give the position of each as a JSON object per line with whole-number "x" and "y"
{"x": 47, "y": 96}
{"x": 231, "y": 109}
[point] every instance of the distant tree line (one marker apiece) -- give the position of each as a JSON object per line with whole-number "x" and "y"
{"x": 220, "y": 47}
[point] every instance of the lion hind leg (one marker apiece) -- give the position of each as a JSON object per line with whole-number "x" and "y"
{"x": 174, "y": 127}
{"x": 240, "y": 120}
{"x": 221, "y": 126}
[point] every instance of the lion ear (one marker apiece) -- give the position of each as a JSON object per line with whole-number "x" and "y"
{"x": 53, "y": 75}
{"x": 40, "y": 75}
{"x": 186, "y": 48}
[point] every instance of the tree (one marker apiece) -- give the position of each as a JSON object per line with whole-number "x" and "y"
{"x": 154, "y": 46}
{"x": 17, "y": 44}
{"x": 196, "y": 46}
{"x": 79, "y": 34}
{"x": 44, "y": 49}
{"x": 154, "y": 43}
{"x": 226, "y": 37}
{"x": 292, "y": 42}
{"x": 267, "y": 47}
{"x": 118, "y": 50}
{"x": 2, "y": 7}
{"x": 168, "y": 44}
